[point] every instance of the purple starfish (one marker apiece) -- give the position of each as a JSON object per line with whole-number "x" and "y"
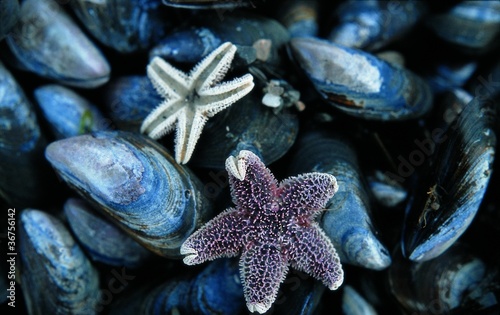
{"x": 272, "y": 226}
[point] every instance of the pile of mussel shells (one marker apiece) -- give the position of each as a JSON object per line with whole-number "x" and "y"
{"x": 397, "y": 99}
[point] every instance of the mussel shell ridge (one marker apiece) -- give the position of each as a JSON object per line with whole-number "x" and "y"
{"x": 449, "y": 198}
{"x": 56, "y": 276}
{"x": 135, "y": 182}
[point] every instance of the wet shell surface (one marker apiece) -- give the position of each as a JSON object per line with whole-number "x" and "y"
{"x": 359, "y": 83}
{"x": 127, "y": 26}
{"x": 215, "y": 290}
{"x": 56, "y": 276}
{"x": 247, "y": 125}
{"x": 68, "y": 113}
{"x": 449, "y": 198}
{"x": 122, "y": 174}
{"x": 48, "y": 42}
{"x": 347, "y": 221}
{"x": 23, "y": 172}
{"x": 102, "y": 240}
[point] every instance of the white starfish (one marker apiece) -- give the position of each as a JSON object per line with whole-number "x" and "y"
{"x": 190, "y": 99}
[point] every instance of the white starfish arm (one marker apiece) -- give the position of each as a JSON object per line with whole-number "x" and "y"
{"x": 167, "y": 80}
{"x": 213, "y": 67}
{"x": 162, "y": 119}
{"x": 190, "y": 126}
{"x": 221, "y": 96}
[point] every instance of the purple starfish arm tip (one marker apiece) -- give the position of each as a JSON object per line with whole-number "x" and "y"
{"x": 307, "y": 194}
{"x": 220, "y": 237}
{"x": 252, "y": 183}
{"x": 313, "y": 253}
{"x": 263, "y": 268}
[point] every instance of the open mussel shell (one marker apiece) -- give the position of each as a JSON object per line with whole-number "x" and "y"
{"x": 9, "y": 14}
{"x": 56, "y": 277}
{"x": 457, "y": 282}
{"x": 129, "y": 100}
{"x": 256, "y": 37}
{"x": 101, "y": 239}
{"x": 359, "y": 83}
{"x": 67, "y": 113}
{"x": 448, "y": 198}
{"x": 347, "y": 219}
{"x": 126, "y": 26}
{"x": 24, "y": 174}
{"x": 215, "y": 290}
{"x": 249, "y": 125}
{"x": 47, "y": 42}
{"x": 372, "y": 24}
{"x": 472, "y": 25}
{"x": 136, "y": 183}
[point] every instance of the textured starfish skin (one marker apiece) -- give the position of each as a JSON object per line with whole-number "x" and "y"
{"x": 190, "y": 99}
{"x": 273, "y": 227}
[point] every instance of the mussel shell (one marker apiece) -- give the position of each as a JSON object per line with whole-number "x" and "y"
{"x": 457, "y": 282}
{"x": 347, "y": 221}
{"x": 126, "y": 26}
{"x": 387, "y": 192}
{"x": 360, "y": 84}
{"x": 447, "y": 200}
{"x": 56, "y": 276}
{"x": 67, "y": 113}
{"x": 215, "y": 290}
{"x": 24, "y": 174}
{"x": 189, "y": 44}
{"x": 372, "y": 24}
{"x": 250, "y": 125}
{"x": 101, "y": 239}
{"x": 129, "y": 100}
{"x": 208, "y": 4}
{"x": 9, "y": 14}
{"x": 354, "y": 304}
{"x": 300, "y": 17}
{"x": 135, "y": 182}
{"x": 446, "y": 76}
{"x": 47, "y": 42}
{"x": 299, "y": 294}
{"x": 486, "y": 87}
{"x": 474, "y": 25}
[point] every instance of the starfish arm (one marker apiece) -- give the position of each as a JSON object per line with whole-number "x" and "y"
{"x": 213, "y": 67}
{"x": 189, "y": 128}
{"x": 262, "y": 269}
{"x": 168, "y": 81}
{"x": 219, "y": 237}
{"x": 307, "y": 194}
{"x": 252, "y": 184}
{"x": 221, "y": 96}
{"x": 312, "y": 252}
{"x": 162, "y": 119}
